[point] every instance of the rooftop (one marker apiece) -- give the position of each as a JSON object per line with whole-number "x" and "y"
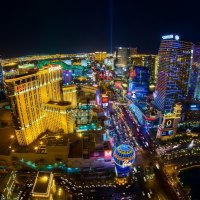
{"x": 38, "y": 146}
{"x": 42, "y": 182}
{"x": 86, "y": 141}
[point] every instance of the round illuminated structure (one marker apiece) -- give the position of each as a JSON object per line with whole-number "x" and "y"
{"x": 124, "y": 157}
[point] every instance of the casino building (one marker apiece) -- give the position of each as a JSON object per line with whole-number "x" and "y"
{"x": 149, "y": 62}
{"x": 167, "y": 129}
{"x": 2, "y": 92}
{"x": 31, "y": 98}
{"x": 173, "y": 73}
{"x": 139, "y": 83}
{"x": 70, "y": 94}
{"x": 124, "y": 157}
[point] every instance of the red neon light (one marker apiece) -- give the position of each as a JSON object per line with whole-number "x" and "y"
{"x": 105, "y": 99}
{"x": 108, "y": 154}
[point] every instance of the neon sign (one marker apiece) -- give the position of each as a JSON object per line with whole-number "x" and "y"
{"x": 107, "y": 154}
{"x": 55, "y": 68}
{"x": 176, "y": 37}
{"x": 104, "y": 99}
{"x": 126, "y": 163}
{"x": 169, "y": 123}
{"x": 167, "y": 37}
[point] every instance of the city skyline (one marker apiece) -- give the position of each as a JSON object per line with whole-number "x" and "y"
{"x": 91, "y": 122}
{"x": 76, "y": 27}
{"x": 99, "y": 100}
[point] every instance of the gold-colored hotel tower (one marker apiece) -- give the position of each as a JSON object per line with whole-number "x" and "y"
{"x": 34, "y": 98}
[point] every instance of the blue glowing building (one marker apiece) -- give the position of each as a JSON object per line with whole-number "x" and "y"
{"x": 2, "y": 92}
{"x": 139, "y": 82}
{"x": 149, "y": 61}
{"x": 196, "y": 71}
{"x": 197, "y": 87}
{"x": 67, "y": 77}
{"x": 173, "y": 73}
{"x": 124, "y": 157}
{"x": 194, "y": 79}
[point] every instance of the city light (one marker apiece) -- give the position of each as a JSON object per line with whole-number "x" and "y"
{"x": 121, "y": 125}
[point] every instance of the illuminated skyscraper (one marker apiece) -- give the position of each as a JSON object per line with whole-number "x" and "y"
{"x": 195, "y": 73}
{"x": 148, "y": 61}
{"x": 70, "y": 95}
{"x": 67, "y": 77}
{"x": 100, "y": 56}
{"x": 59, "y": 117}
{"x": 27, "y": 95}
{"x": 139, "y": 83}
{"x": 123, "y": 56}
{"x": 2, "y": 93}
{"x": 197, "y": 88}
{"x": 173, "y": 73}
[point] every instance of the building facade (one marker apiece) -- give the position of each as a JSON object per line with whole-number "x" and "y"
{"x": 173, "y": 73}
{"x": 27, "y": 95}
{"x": 100, "y": 56}
{"x": 196, "y": 71}
{"x": 123, "y": 56}
{"x": 168, "y": 128}
{"x": 70, "y": 95}
{"x": 2, "y": 93}
{"x": 148, "y": 61}
{"x": 139, "y": 83}
{"x": 59, "y": 117}
{"x": 67, "y": 77}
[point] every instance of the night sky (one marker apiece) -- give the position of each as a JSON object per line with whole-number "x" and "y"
{"x": 73, "y": 26}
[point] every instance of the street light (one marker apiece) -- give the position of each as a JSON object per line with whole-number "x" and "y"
{"x": 12, "y": 136}
{"x": 36, "y": 148}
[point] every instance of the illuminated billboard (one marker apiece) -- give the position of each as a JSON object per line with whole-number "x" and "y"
{"x": 168, "y": 123}
{"x": 108, "y": 154}
{"x": 104, "y": 99}
{"x": 168, "y": 37}
{"x": 54, "y": 68}
{"x": 167, "y": 133}
{"x": 132, "y": 73}
{"x": 105, "y": 105}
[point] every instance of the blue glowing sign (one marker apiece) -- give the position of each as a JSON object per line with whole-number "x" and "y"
{"x": 167, "y": 37}
{"x": 167, "y": 133}
{"x": 176, "y": 37}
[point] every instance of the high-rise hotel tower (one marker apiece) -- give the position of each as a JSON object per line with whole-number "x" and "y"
{"x": 173, "y": 73}
{"x": 27, "y": 95}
